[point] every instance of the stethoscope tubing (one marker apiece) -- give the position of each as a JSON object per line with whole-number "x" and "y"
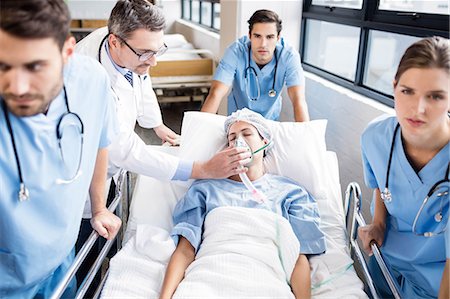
{"x": 386, "y": 194}
{"x": 272, "y": 92}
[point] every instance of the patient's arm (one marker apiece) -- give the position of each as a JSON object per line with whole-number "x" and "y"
{"x": 301, "y": 278}
{"x": 181, "y": 258}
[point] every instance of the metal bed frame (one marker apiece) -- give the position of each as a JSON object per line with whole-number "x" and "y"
{"x": 353, "y": 193}
{"x": 123, "y": 181}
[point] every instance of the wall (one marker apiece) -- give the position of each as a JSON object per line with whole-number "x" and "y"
{"x": 87, "y": 9}
{"x": 348, "y": 114}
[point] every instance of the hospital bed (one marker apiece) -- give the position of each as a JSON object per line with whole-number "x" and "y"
{"x": 182, "y": 73}
{"x": 299, "y": 152}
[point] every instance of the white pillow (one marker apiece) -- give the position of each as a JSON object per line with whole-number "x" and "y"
{"x": 299, "y": 149}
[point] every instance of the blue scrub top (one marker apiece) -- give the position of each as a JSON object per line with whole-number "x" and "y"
{"x": 37, "y": 235}
{"x": 447, "y": 241}
{"x": 419, "y": 260}
{"x": 233, "y": 68}
{"x": 285, "y": 197}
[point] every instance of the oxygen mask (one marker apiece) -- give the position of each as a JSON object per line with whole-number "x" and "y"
{"x": 240, "y": 142}
{"x": 257, "y": 195}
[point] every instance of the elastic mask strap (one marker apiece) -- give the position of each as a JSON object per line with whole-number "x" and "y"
{"x": 262, "y": 148}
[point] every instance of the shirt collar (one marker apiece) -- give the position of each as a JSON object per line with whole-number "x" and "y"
{"x": 120, "y": 69}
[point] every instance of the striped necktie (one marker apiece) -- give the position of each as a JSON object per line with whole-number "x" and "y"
{"x": 129, "y": 77}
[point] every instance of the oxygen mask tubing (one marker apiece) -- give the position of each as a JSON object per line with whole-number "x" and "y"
{"x": 258, "y": 195}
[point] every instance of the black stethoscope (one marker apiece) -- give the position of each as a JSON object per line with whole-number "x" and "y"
{"x": 24, "y": 193}
{"x": 100, "y": 48}
{"x": 272, "y": 92}
{"x": 387, "y": 196}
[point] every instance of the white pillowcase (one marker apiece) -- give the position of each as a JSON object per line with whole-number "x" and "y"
{"x": 299, "y": 149}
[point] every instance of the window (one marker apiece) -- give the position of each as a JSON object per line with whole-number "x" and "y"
{"x": 203, "y": 12}
{"x": 358, "y": 43}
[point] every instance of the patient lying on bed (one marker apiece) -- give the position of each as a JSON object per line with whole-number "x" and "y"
{"x": 235, "y": 242}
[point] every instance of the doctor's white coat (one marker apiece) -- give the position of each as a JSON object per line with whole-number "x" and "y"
{"x": 135, "y": 103}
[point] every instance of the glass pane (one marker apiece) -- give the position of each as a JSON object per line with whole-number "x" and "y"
{"x": 186, "y": 10}
{"x": 383, "y": 55}
{"x": 216, "y": 16}
{"x": 355, "y": 4}
{"x": 428, "y": 6}
{"x": 196, "y": 11}
{"x": 206, "y": 13}
{"x": 332, "y": 47}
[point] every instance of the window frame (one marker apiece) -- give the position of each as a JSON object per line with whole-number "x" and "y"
{"x": 188, "y": 15}
{"x": 369, "y": 17}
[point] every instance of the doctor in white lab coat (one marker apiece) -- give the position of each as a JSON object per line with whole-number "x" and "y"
{"x": 127, "y": 48}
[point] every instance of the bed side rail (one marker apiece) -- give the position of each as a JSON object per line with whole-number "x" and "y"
{"x": 353, "y": 193}
{"x": 87, "y": 246}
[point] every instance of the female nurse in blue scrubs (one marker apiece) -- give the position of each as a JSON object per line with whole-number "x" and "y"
{"x": 404, "y": 156}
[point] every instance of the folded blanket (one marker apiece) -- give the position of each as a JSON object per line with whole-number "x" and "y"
{"x": 244, "y": 253}
{"x": 137, "y": 270}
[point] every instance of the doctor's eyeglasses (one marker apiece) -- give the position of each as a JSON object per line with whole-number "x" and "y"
{"x": 147, "y": 54}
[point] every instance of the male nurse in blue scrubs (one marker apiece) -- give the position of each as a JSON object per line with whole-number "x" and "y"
{"x": 255, "y": 68}
{"x": 57, "y": 116}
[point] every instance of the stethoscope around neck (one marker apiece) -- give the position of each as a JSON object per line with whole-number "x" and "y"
{"x": 100, "y": 48}
{"x": 386, "y": 195}
{"x": 24, "y": 193}
{"x": 272, "y": 92}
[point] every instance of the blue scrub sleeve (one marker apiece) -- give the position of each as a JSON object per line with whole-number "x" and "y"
{"x": 228, "y": 64}
{"x": 294, "y": 70}
{"x": 303, "y": 215}
{"x": 369, "y": 176}
{"x": 447, "y": 241}
{"x": 188, "y": 217}
{"x": 110, "y": 123}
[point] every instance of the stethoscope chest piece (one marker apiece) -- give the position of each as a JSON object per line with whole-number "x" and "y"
{"x": 272, "y": 93}
{"x": 438, "y": 217}
{"x": 24, "y": 194}
{"x": 386, "y": 195}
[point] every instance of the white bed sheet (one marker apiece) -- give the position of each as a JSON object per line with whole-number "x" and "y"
{"x": 133, "y": 275}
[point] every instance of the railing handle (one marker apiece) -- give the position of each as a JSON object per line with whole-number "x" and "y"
{"x": 358, "y": 220}
{"x": 87, "y": 246}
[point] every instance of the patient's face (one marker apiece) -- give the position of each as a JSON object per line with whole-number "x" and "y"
{"x": 251, "y": 136}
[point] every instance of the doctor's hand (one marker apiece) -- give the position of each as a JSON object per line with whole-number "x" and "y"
{"x": 167, "y": 135}
{"x": 223, "y": 165}
{"x": 106, "y": 223}
{"x": 371, "y": 233}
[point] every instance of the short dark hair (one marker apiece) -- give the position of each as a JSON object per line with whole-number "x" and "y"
{"x": 430, "y": 52}
{"x": 265, "y": 16}
{"x": 130, "y": 15}
{"x": 36, "y": 19}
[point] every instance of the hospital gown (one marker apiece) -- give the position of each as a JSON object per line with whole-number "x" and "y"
{"x": 417, "y": 262}
{"x": 285, "y": 197}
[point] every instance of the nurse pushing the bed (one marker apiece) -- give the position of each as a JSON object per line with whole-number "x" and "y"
{"x": 256, "y": 67}
{"x": 406, "y": 160}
